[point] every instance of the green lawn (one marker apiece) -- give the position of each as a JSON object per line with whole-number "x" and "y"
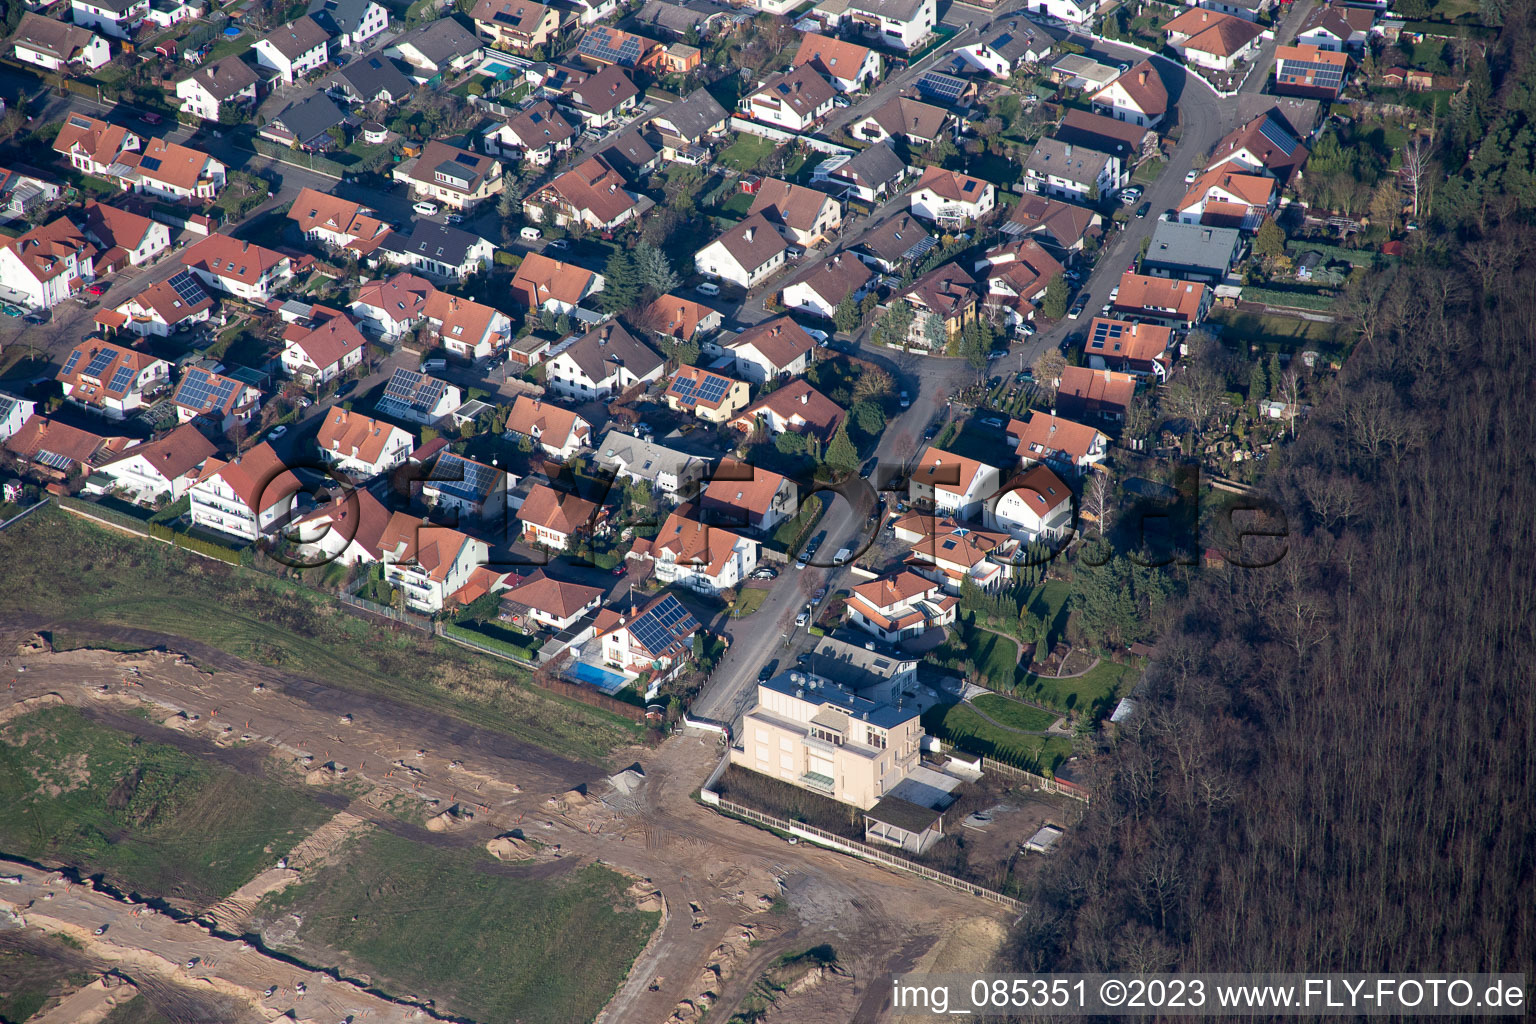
{"x": 1011, "y": 712}
{"x": 149, "y": 816}
{"x": 253, "y": 616}
{"x": 1274, "y": 333}
{"x": 1148, "y": 172}
{"x": 996, "y": 657}
{"x": 481, "y": 938}
{"x": 746, "y": 151}
{"x": 1048, "y": 601}
{"x": 737, "y": 204}
{"x": 28, "y": 980}
{"x": 967, "y": 730}
{"x": 749, "y": 601}
{"x": 1104, "y": 681}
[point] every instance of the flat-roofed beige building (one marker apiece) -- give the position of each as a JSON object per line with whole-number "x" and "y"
{"x": 811, "y": 732}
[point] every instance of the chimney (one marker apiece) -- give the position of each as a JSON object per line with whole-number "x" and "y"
{"x": 805, "y": 397}
{"x": 747, "y": 234}
{"x": 1142, "y": 78}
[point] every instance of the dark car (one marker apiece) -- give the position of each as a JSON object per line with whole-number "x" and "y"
{"x": 1143, "y": 210}
{"x": 38, "y": 318}
{"x": 766, "y": 672}
{"x": 347, "y": 388}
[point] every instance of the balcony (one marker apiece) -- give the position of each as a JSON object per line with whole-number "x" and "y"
{"x": 822, "y": 783}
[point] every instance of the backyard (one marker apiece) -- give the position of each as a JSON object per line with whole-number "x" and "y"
{"x": 962, "y": 726}
{"x": 747, "y": 152}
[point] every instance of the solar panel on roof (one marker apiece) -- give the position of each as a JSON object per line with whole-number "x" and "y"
{"x": 943, "y": 86}
{"x": 69, "y": 364}
{"x": 99, "y": 362}
{"x": 150, "y": 163}
{"x": 713, "y": 389}
{"x": 187, "y": 288}
{"x": 52, "y": 459}
{"x": 462, "y": 478}
{"x": 1279, "y": 136}
{"x": 121, "y": 378}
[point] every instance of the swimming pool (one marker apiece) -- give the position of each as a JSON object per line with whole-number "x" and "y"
{"x": 602, "y": 678}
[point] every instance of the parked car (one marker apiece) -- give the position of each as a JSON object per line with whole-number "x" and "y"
{"x": 278, "y": 431}
{"x": 906, "y": 400}
{"x": 558, "y": 243}
{"x": 1076, "y": 310}
{"x": 1189, "y": 179}
{"x": 819, "y": 596}
{"x": 346, "y": 388}
{"x": 804, "y": 616}
{"x": 1130, "y": 196}
{"x": 150, "y": 117}
{"x": 37, "y": 318}
{"x": 997, "y": 353}
{"x": 98, "y": 289}
{"x": 707, "y": 288}
{"x": 766, "y": 672}
{"x": 425, "y": 209}
{"x": 821, "y": 337}
{"x": 1143, "y": 210}
{"x": 1027, "y": 329}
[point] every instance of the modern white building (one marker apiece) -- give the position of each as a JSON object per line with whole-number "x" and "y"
{"x": 248, "y": 497}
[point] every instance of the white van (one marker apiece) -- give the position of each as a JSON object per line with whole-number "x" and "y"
{"x": 707, "y": 288}
{"x": 433, "y": 364}
{"x": 530, "y": 234}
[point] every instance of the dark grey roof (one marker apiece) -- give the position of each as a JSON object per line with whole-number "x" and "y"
{"x": 224, "y": 78}
{"x": 312, "y": 117}
{"x": 440, "y": 41}
{"x": 629, "y": 154}
{"x": 1016, "y": 38}
{"x": 824, "y": 691}
{"x": 677, "y": 18}
{"x": 372, "y": 77}
{"x": 601, "y": 352}
{"x": 897, "y": 238}
{"x": 1194, "y": 245}
{"x": 431, "y": 240}
{"x": 1077, "y": 164}
{"x": 876, "y": 165}
{"x": 896, "y": 10}
{"x": 858, "y": 661}
{"x": 694, "y": 114}
{"x": 903, "y": 814}
{"x": 338, "y": 16}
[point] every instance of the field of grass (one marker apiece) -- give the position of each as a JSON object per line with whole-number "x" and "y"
{"x": 1102, "y": 682}
{"x": 148, "y": 816}
{"x": 749, "y": 601}
{"x": 78, "y": 572}
{"x": 963, "y": 727}
{"x": 746, "y": 151}
{"x": 481, "y": 938}
{"x": 1274, "y": 333}
{"x": 996, "y": 657}
{"x": 28, "y": 980}
{"x": 136, "y": 1011}
{"x": 1011, "y": 712}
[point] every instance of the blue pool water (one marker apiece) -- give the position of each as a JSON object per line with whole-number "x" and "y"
{"x": 608, "y": 682}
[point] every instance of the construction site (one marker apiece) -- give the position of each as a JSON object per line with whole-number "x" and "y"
{"x": 420, "y": 833}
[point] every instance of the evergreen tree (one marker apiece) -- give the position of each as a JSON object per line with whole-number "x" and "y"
{"x": 1269, "y": 242}
{"x": 847, "y": 315}
{"x": 1274, "y": 374}
{"x": 869, "y": 417}
{"x": 841, "y": 454}
{"x": 1054, "y": 304}
{"x": 653, "y": 270}
{"x": 1258, "y": 383}
{"x": 621, "y": 282}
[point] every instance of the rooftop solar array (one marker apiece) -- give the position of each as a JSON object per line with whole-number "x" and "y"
{"x": 53, "y": 459}
{"x": 187, "y": 287}
{"x": 599, "y": 45}
{"x": 710, "y": 389}
{"x": 71, "y": 362}
{"x": 1277, "y": 135}
{"x": 203, "y": 390}
{"x": 99, "y": 362}
{"x": 942, "y": 86}
{"x": 414, "y": 390}
{"x": 462, "y": 478}
{"x": 1325, "y": 76}
{"x": 121, "y": 378}
{"x": 662, "y": 626}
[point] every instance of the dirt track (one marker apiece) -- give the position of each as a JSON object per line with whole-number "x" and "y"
{"x": 876, "y": 920}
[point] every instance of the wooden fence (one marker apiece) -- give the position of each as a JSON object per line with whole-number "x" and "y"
{"x": 1040, "y": 782}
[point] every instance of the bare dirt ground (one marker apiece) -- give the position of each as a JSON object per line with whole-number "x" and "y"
{"x": 716, "y": 877}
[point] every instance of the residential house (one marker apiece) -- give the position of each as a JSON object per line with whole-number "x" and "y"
{"x": 670, "y": 474}
{"x": 1013, "y": 46}
{"x": 14, "y": 413}
{"x": 553, "y": 519}
{"x": 796, "y": 407}
{"x": 322, "y": 347}
{"x": 943, "y": 301}
{"x": 1084, "y": 175}
{"x": 629, "y": 154}
{"x": 1095, "y": 131}
{"x": 540, "y": 599}
{"x": 294, "y": 49}
{"x": 680, "y": 319}
{"x": 359, "y": 446}
{"x": 913, "y": 121}
{"x": 214, "y": 399}
{"x": 1337, "y": 27}
{"x": 1210, "y": 39}
{"x": 871, "y": 174}
{"x": 24, "y": 190}
{"x": 559, "y": 432}
{"x": 1251, "y": 10}
{"x": 161, "y": 309}
{"x": 601, "y": 364}
{"x": 605, "y": 45}
{"x": 92, "y": 146}
{"x": 952, "y": 555}
{"x": 602, "y": 99}
{"x": 315, "y": 124}
{"x": 591, "y": 194}
{"x": 467, "y": 328}
{"x": 1065, "y": 446}
{"x": 1078, "y": 74}
{"x": 516, "y": 26}
{"x": 1141, "y": 350}
{"x": 696, "y": 19}
{"x": 207, "y": 90}
{"x": 900, "y": 607}
{"x": 709, "y": 396}
{"x": 169, "y": 171}
{"x": 390, "y": 307}
{"x": 1310, "y": 72}
{"x": 456, "y": 178}
{"x": 1034, "y": 506}
{"x": 536, "y": 134}
{"x": 1090, "y": 395}
{"x": 795, "y": 100}
{"x": 370, "y": 78}
{"x": 160, "y": 470}
{"x": 439, "y": 250}
{"x": 1017, "y": 274}
{"x": 122, "y": 236}
{"x": 170, "y": 13}
{"x": 119, "y": 19}
{"x": 899, "y": 24}
{"x": 46, "y": 449}
{"x": 951, "y": 484}
{"x": 55, "y": 46}
{"x": 948, "y": 90}
{"x": 350, "y": 23}
{"x": 428, "y": 563}
{"x": 111, "y": 379}
{"x": 898, "y": 242}
{"x": 876, "y": 670}
{"x": 239, "y": 268}
{"x": 748, "y": 497}
{"x": 822, "y": 286}
{"x": 694, "y": 555}
{"x": 418, "y": 397}
{"x": 1192, "y": 252}
{"x": 543, "y": 283}
{"x": 684, "y": 127}
{"x": 1078, "y": 12}
{"x": 1057, "y": 225}
{"x": 450, "y": 482}
{"x": 1222, "y": 197}
{"x": 801, "y": 215}
{"x": 769, "y": 350}
{"x": 951, "y": 199}
{"x": 745, "y": 255}
{"x": 249, "y": 497}
{"x": 1162, "y": 300}
{"x": 847, "y": 67}
{"x": 1265, "y": 145}
{"x": 1137, "y": 96}
{"x": 347, "y": 530}
{"x": 810, "y": 732}
{"x": 656, "y": 638}
{"x": 336, "y": 223}
{"x": 46, "y": 265}
{"x": 436, "y": 50}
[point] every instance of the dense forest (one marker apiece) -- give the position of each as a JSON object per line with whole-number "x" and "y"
{"x": 1334, "y": 766}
